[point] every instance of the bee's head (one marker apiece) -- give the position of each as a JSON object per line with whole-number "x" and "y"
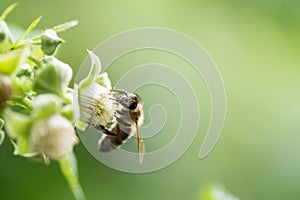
{"x": 129, "y": 100}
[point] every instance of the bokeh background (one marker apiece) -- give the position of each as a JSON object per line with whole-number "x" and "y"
{"x": 256, "y": 46}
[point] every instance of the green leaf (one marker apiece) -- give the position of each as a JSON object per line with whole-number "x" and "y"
{"x": 65, "y": 26}
{"x": 29, "y": 29}
{"x": 68, "y": 167}
{"x": 8, "y": 10}
{"x": 9, "y": 61}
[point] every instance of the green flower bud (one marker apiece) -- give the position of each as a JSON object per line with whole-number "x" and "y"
{"x": 53, "y": 137}
{"x": 5, "y": 36}
{"x": 5, "y": 89}
{"x": 50, "y": 41}
{"x": 54, "y": 77}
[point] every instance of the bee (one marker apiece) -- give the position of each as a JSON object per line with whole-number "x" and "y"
{"x": 129, "y": 117}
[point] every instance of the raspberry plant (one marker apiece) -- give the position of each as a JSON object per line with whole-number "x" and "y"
{"x": 36, "y": 112}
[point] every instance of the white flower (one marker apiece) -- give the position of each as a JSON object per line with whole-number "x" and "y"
{"x": 52, "y": 137}
{"x": 92, "y": 97}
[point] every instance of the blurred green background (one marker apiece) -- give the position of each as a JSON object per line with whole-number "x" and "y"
{"x": 256, "y": 45}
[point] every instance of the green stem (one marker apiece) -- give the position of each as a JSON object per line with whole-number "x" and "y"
{"x": 68, "y": 167}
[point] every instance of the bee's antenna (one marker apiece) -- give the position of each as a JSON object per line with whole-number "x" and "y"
{"x": 114, "y": 99}
{"x": 120, "y": 92}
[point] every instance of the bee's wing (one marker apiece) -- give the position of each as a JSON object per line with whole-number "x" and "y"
{"x": 141, "y": 144}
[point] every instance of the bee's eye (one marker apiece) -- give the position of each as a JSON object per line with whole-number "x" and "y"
{"x": 133, "y": 105}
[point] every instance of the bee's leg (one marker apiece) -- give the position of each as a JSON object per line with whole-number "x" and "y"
{"x": 105, "y": 131}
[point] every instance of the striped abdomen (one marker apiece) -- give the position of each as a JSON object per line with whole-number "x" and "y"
{"x": 109, "y": 142}
{"x": 124, "y": 129}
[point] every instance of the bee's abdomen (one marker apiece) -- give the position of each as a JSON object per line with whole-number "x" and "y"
{"x": 123, "y": 130}
{"x": 109, "y": 143}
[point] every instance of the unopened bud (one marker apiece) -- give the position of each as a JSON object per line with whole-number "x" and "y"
{"x": 50, "y": 41}
{"x": 53, "y": 137}
{"x": 53, "y": 77}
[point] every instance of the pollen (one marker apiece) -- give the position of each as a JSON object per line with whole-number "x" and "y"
{"x": 102, "y": 111}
